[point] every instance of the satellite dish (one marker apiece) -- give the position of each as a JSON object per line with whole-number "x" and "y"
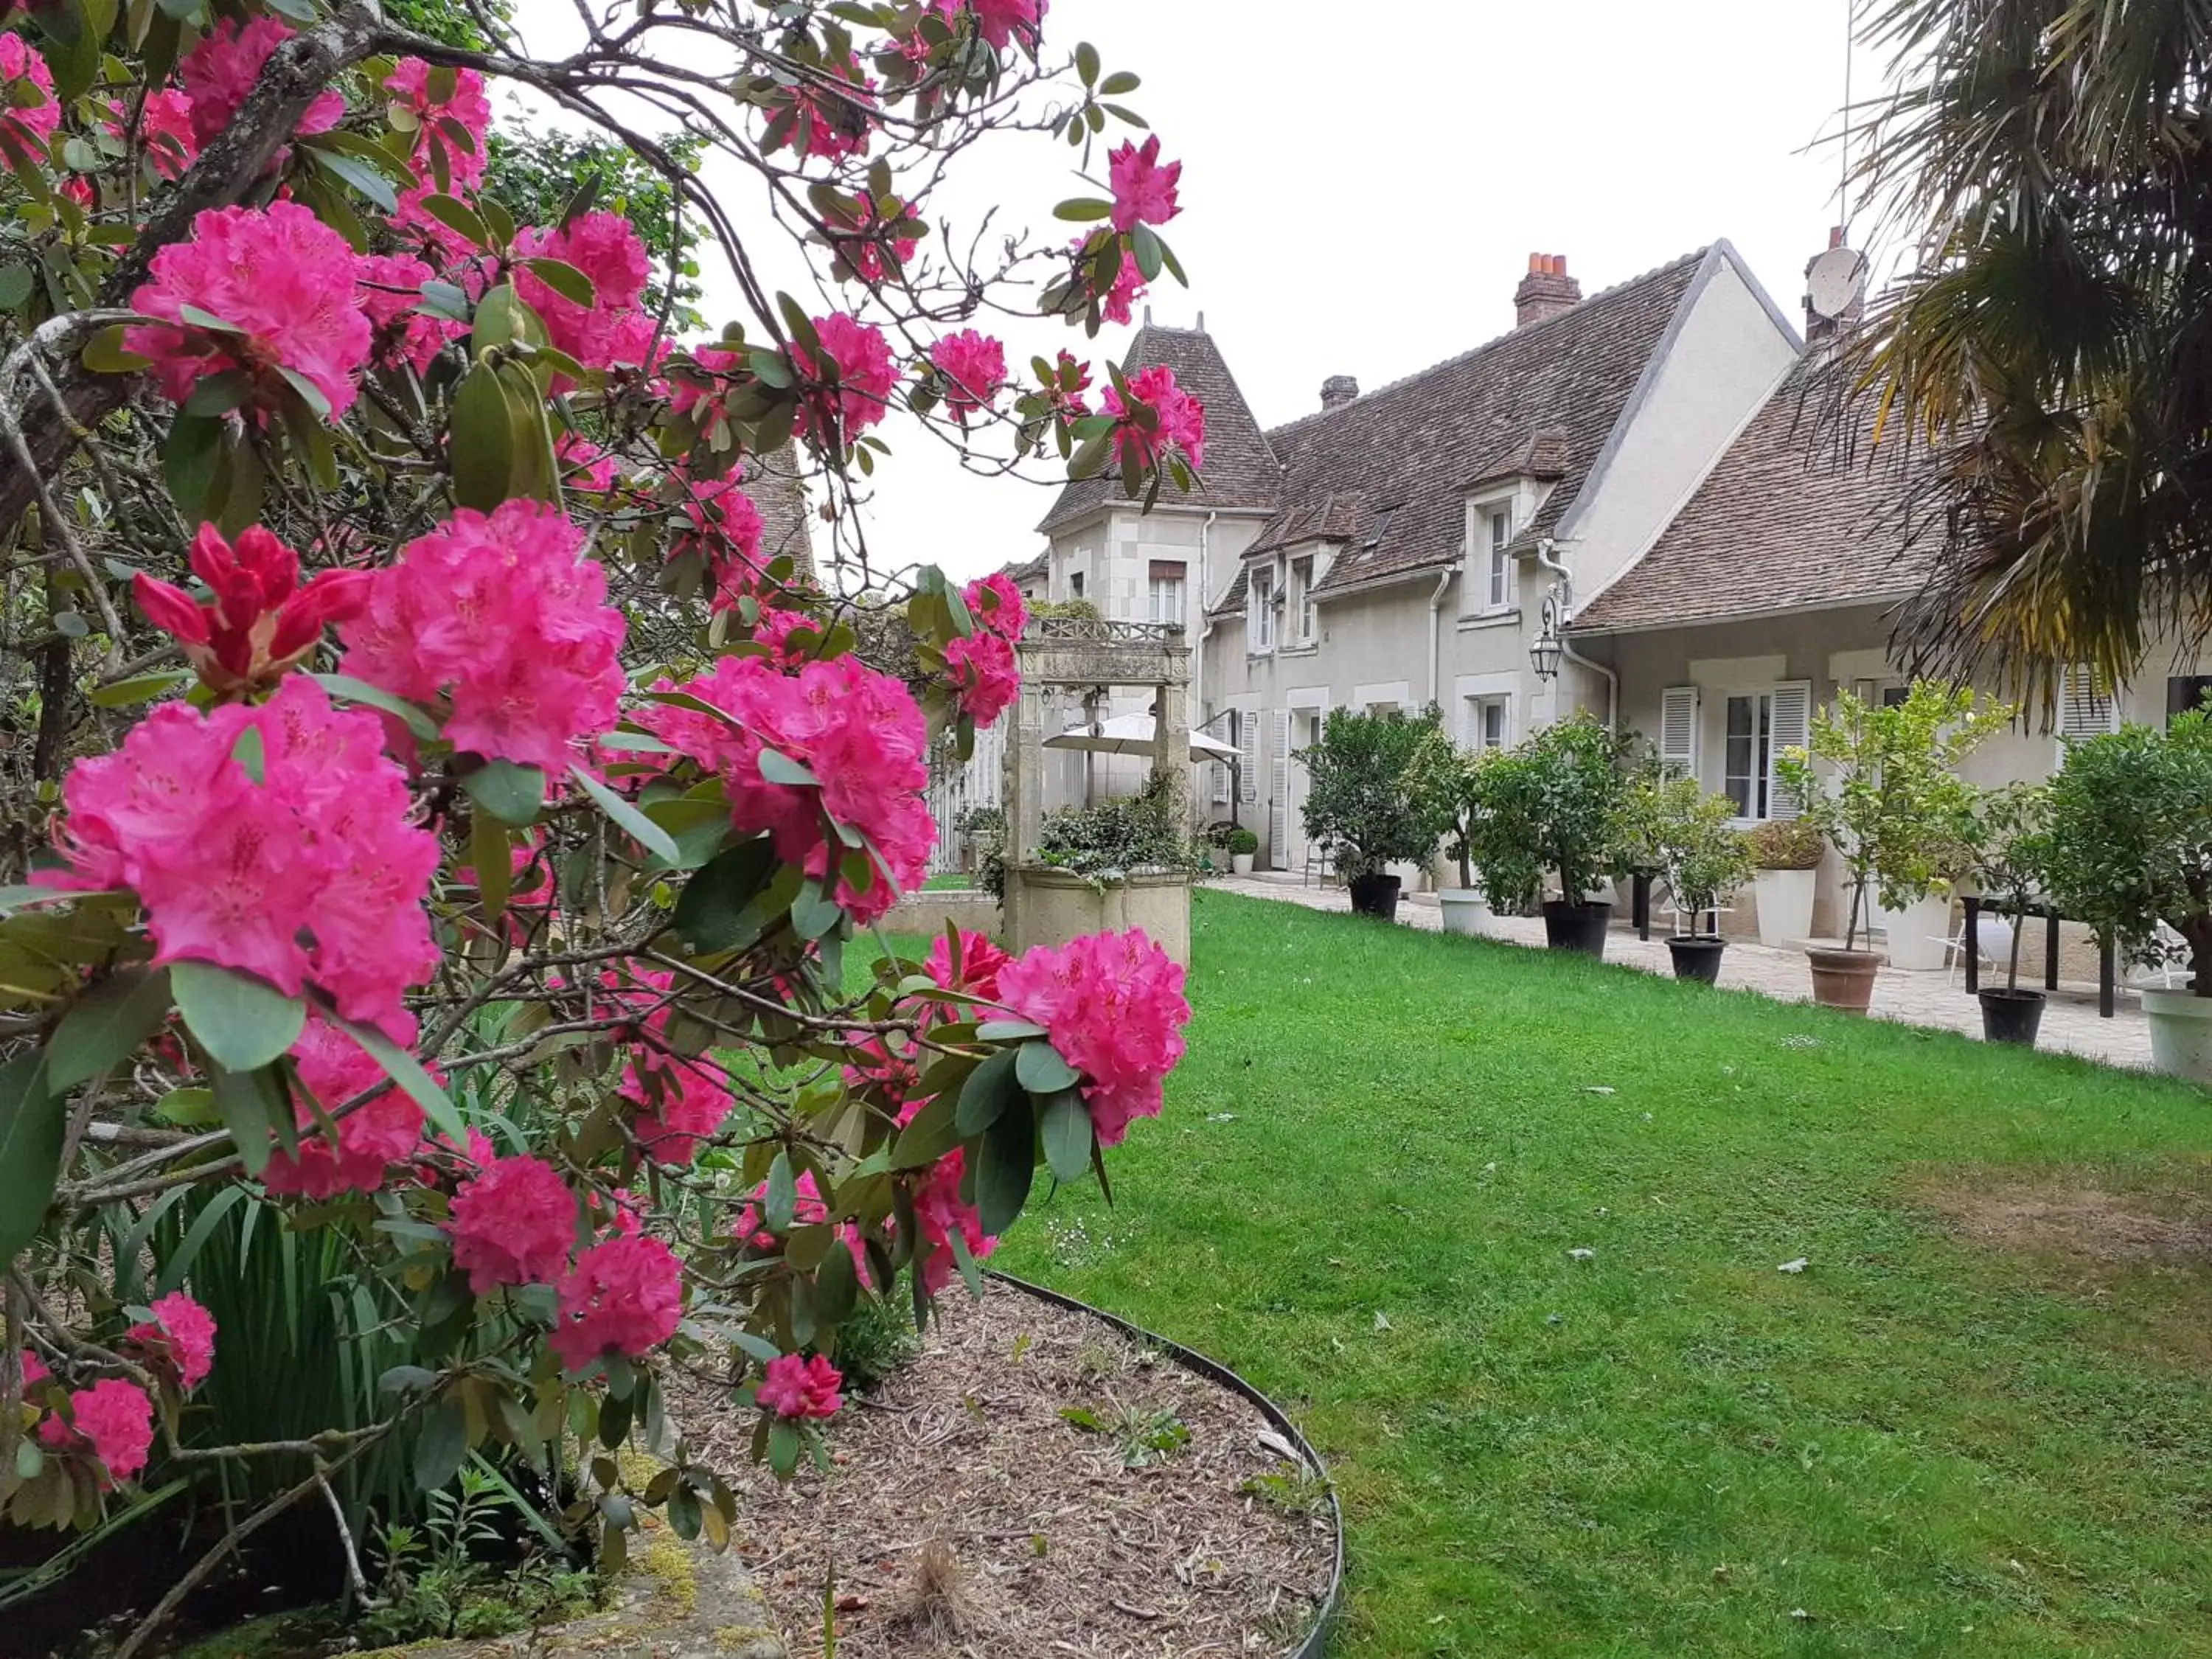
{"x": 1836, "y": 281}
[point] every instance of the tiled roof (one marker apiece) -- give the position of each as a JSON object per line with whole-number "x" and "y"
{"x": 1544, "y": 455}
{"x": 1782, "y": 523}
{"x": 1241, "y": 472}
{"x": 1548, "y": 394}
{"x": 1334, "y": 517}
{"x": 1024, "y": 570}
{"x": 772, "y": 480}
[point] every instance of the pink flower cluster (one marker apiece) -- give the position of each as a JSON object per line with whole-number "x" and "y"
{"x": 512, "y": 1222}
{"x": 501, "y": 613}
{"x": 790, "y": 637}
{"x": 332, "y": 1068}
{"x": 282, "y": 279}
{"x": 974, "y": 366}
{"x": 178, "y": 1342}
{"x": 857, "y": 730}
{"x": 1144, "y": 189}
{"x": 625, "y": 1295}
{"x": 390, "y": 295}
{"x": 807, "y": 1210}
{"x": 1159, "y": 418}
{"x": 310, "y": 871}
{"x": 261, "y": 619}
{"x": 1113, "y": 1006}
{"x": 680, "y": 1102}
{"x": 112, "y": 1421}
{"x": 219, "y": 72}
{"x": 408, "y": 88}
{"x": 611, "y": 331}
{"x": 726, "y": 529}
{"x": 29, "y": 112}
{"x": 999, "y": 20}
{"x": 796, "y": 1388}
{"x": 838, "y": 412}
{"x": 165, "y": 130}
{"x": 939, "y": 1214}
{"x": 984, "y": 671}
{"x": 829, "y": 124}
{"x": 871, "y": 255}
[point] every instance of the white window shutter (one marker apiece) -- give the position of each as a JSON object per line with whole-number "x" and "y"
{"x": 1788, "y": 726}
{"x": 2087, "y": 708}
{"x": 1279, "y": 793}
{"x": 1678, "y": 730}
{"x": 1248, "y": 746}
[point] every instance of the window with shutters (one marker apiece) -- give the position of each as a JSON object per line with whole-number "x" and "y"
{"x": 1489, "y": 723}
{"x": 2087, "y": 707}
{"x": 1304, "y": 621}
{"x": 1247, "y": 738}
{"x": 1678, "y": 730}
{"x": 1278, "y": 791}
{"x": 1499, "y": 594}
{"x": 1167, "y": 586}
{"x": 1758, "y": 727}
{"x": 1260, "y": 610}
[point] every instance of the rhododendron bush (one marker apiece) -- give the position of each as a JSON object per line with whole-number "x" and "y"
{"x": 443, "y": 785}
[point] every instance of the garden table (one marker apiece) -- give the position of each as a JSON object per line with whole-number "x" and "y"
{"x": 2051, "y": 920}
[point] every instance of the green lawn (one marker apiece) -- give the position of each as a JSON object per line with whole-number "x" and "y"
{"x": 1375, "y": 1163}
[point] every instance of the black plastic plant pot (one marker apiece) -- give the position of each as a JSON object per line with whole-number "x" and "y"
{"x": 1375, "y": 895}
{"x": 2013, "y": 1017}
{"x": 1577, "y": 927}
{"x": 1698, "y": 957}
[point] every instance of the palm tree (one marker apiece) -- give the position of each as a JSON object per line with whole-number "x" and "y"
{"x": 2044, "y": 370}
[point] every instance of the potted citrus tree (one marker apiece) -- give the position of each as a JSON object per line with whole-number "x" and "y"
{"x": 2011, "y": 852}
{"x": 1574, "y": 774}
{"x": 1460, "y": 779}
{"x": 1889, "y": 800}
{"x": 1785, "y": 874}
{"x": 2130, "y": 846}
{"x": 1373, "y": 799}
{"x": 1701, "y": 858}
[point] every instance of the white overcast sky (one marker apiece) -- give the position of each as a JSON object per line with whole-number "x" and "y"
{"x": 1362, "y": 185}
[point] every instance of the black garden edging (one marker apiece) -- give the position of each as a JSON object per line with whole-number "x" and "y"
{"x": 1316, "y": 1639}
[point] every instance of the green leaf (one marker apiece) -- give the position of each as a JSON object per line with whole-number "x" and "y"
{"x": 188, "y": 1107}
{"x": 564, "y": 279}
{"x": 1066, "y": 1125}
{"x": 837, "y": 1286}
{"x": 346, "y": 689}
{"x": 1119, "y": 83}
{"x": 1042, "y": 1070}
{"x": 717, "y": 909}
{"x": 15, "y": 285}
{"x": 1007, "y": 1031}
{"x": 776, "y": 767}
{"x": 141, "y": 688}
{"x": 31, "y": 1128}
{"x": 482, "y": 449}
{"x": 403, "y": 1069}
{"x": 243, "y": 1101}
{"x": 104, "y": 353}
{"x": 780, "y": 1202}
{"x": 359, "y": 174}
{"x": 457, "y": 215}
{"x": 1007, "y": 1165}
{"x": 105, "y": 1025}
{"x": 633, "y": 823}
{"x": 502, "y": 318}
{"x": 190, "y": 457}
{"x": 928, "y": 1135}
{"x": 1082, "y": 209}
{"x": 1086, "y": 62}
{"x": 242, "y": 1021}
{"x": 513, "y": 793}
{"x": 991, "y": 1089}
{"x": 494, "y": 870}
{"x": 444, "y": 1444}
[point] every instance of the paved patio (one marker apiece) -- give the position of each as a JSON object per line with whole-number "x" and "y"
{"x": 2070, "y": 1022}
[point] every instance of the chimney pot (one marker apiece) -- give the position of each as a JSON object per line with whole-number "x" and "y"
{"x": 1546, "y": 291}
{"x": 1338, "y": 390}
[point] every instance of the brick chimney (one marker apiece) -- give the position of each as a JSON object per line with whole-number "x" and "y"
{"x": 1546, "y": 291}
{"x": 1338, "y": 390}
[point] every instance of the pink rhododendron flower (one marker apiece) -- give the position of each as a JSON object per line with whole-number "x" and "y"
{"x": 825, "y": 123}
{"x": 606, "y": 248}
{"x": 939, "y": 1214}
{"x": 865, "y": 376}
{"x": 514, "y": 1223}
{"x": 29, "y": 112}
{"x": 861, "y": 242}
{"x": 35, "y": 1369}
{"x": 776, "y": 631}
{"x": 793, "y": 1388}
{"x": 261, "y": 619}
{"x": 625, "y": 1296}
{"x": 807, "y": 1210}
{"x": 460, "y": 260}
{"x": 1114, "y": 1007}
{"x": 586, "y": 467}
{"x": 165, "y": 130}
{"x": 1161, "y": 416}
{"x": 391, "y": 294}
{"x": 180, "y": 1339}
{"x": 313, "y": 872}
{"x": 114, "y": 1420}
{"x": 501, "y": 613}
{"x": 1118, "y": 303}
{"x": 680, "y": 1104}
{"x": 986, "y": 675}
{"x": 332, "y": 1069}
{"x": 726, "y": 529}
{"x": 997, "y": 604}
{"x": 219, "y": 72}
{"x": 860, "y": 734}
{"x": 284, "y": 279}
{"x": 1144, "y": 189}
{"x": 408, "y": 88}
{"x": 980, "y": 962}
{"x": 974, "y": 366}
{"x": 999, "y": 20}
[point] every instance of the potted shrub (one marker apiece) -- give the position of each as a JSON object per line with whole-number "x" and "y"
{"x": 1575, "y": 776}
{"x": 1373, "y": 799}
{"x": 1243, "y": 846}
{"x": 1785, "y": 876}
{"x": 1700, "y": 857}
{"x": 2129, "y": 847}
{"x": 1891, "y": 800}
{"x": 1501, "y": 832}
{"x": 2011, "y": 852}
{"x": 1459, "y": 783}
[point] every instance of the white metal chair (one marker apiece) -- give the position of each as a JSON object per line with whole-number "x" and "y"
{"x": 1992, "y": 946}
{"x": 2165, "y": 975}
{"x": 1715, "y": 911}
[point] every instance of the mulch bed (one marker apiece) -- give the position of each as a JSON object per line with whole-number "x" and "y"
{"x": 966, "y": 1515}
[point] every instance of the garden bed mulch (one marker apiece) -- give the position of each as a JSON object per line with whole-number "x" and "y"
{"x": 965, "y": 1515}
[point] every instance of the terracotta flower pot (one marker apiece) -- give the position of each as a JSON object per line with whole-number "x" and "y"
{"x": 1844, "y": 979}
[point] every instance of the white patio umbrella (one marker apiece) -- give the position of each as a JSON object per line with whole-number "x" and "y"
{"x": 1133, "y": 735}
